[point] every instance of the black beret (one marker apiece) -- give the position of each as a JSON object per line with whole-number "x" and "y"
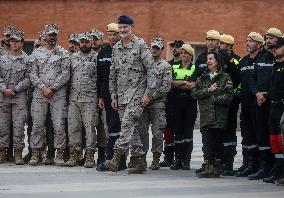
{"x": 123, "y": 19}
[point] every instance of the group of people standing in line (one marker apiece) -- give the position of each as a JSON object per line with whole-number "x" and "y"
{"x": 106, "y": 96}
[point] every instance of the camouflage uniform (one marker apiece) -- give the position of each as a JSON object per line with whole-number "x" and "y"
{"x": 155, "y": 112}
{"x": 130, "y": 68}
{"x": 13, "y": 75}
{"x": 214, "y": 108}
{"x": 83, "y": 100}
{"x": 52, "y": 69}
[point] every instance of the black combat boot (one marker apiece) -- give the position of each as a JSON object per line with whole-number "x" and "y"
{"x": 168, "y": 156}
{"x": 101, "y": 156}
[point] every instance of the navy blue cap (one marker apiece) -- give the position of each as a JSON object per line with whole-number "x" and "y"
{"x": 123, "y": 19}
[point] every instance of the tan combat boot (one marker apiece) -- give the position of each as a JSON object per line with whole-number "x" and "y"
{"x": 18, "y": 155}
{"x": 59, "y": 159}
{"x": 139, "y": 166}
{"x": 113, "y": 164}
{"x": 74, "y": 158}
{"x": 89, "y": 162}
{"x": 2, "y": 154}
{"x": 131, "y": 162}
{"x": 156, "y": 161}
{"x": 208, "y": 172}
{"x": 35, "y": 157}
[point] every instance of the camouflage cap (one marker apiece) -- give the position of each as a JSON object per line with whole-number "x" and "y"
{"x": 51, "y": 28}
{"x": 85, "y": 35}
{"x": 8, "y": 30}
{"x": 74, "y": 37}
{"x": 17, "y": 34}
{"x": 97, "y": 34}
{"x": 157, "y": 42}
{"x": 41, "y": 34}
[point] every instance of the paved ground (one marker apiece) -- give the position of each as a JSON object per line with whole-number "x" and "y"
{"x": 51, "y": 181}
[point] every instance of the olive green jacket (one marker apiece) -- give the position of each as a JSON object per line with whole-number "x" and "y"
{"x": 213, "y": 106}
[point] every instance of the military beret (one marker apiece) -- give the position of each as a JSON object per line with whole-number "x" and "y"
{"x": 157, "y": 42}
{"x": 228, "y": 39}
{"x": 279, "y": 42}
{"x": 112, "y": 27}
{"x": 256, "y": 37}
{"x": 188, "y": 48}
{"x": 123, "y": 19}
{"x": 274, "y": 32}
{"x": 16, "y": 34}
{"x": 98, "y": 34}
{"x": 213, "y": 34}
{"x": 51, "y": 28}
{"x": 8, "y": 30}
{"x": 85, "y": 35}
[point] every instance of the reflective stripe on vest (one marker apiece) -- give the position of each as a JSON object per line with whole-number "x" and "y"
{"x": 182, "y": 73}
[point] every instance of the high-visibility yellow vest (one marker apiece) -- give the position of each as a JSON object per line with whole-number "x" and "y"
{"x": 181, "y": 73}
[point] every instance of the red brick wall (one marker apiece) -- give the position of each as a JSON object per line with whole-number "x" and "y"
{"x": 169, "y": 19}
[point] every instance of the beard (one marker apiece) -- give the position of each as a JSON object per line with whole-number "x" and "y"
{"x": 85, "y": 50}
{"x": 52, "y": 42}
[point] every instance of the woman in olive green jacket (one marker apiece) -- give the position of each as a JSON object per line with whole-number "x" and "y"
{"x": 214, "y": 91}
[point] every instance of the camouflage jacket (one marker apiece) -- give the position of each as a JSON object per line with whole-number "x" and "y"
{"x": 163, "y": 72}
{"x": 83, "y": 77}
{"x": 51, "y": 69}
{"x": 214, "y": 106}
{"x": 131, "y": 72}
{"x": 14, "y": 75}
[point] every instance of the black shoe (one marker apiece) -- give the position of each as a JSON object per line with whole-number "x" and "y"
{"x": 258, "y": 175}
{"x": 176, "y": 165}
{"x": 185, "y": 165}
{"x": 165, "y": 164}
{"x": 270, "y": 179}
{"x": 248, "y": 171}
{"x": 102, "y": 167}
{"x": 229, "y": 173}
{"x": 241, "y": 169}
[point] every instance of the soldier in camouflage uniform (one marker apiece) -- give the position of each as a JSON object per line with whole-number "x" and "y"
{"x": 3, "y": 51}
{"x": 83, "y": 109}
{"x": 49, "y": 74}
{"x": 14, "y": 82}
{"x": 6, "y": 40}
{"x": 214, "y": 92}
{"x": 154, "y": 113}
{"x": 130, "y": 87}
{"x": 73, "y": 42}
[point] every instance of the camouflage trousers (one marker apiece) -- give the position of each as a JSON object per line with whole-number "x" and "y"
{"x": 157, "y": 118}
{"x": 16, "y": 114}
{"x": 82, "y": 114}
{"x": 58, "y": 112}
{"x": 129, "y": 136}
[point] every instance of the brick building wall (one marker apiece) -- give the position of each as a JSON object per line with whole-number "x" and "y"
{"x": 169, "y": 19}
